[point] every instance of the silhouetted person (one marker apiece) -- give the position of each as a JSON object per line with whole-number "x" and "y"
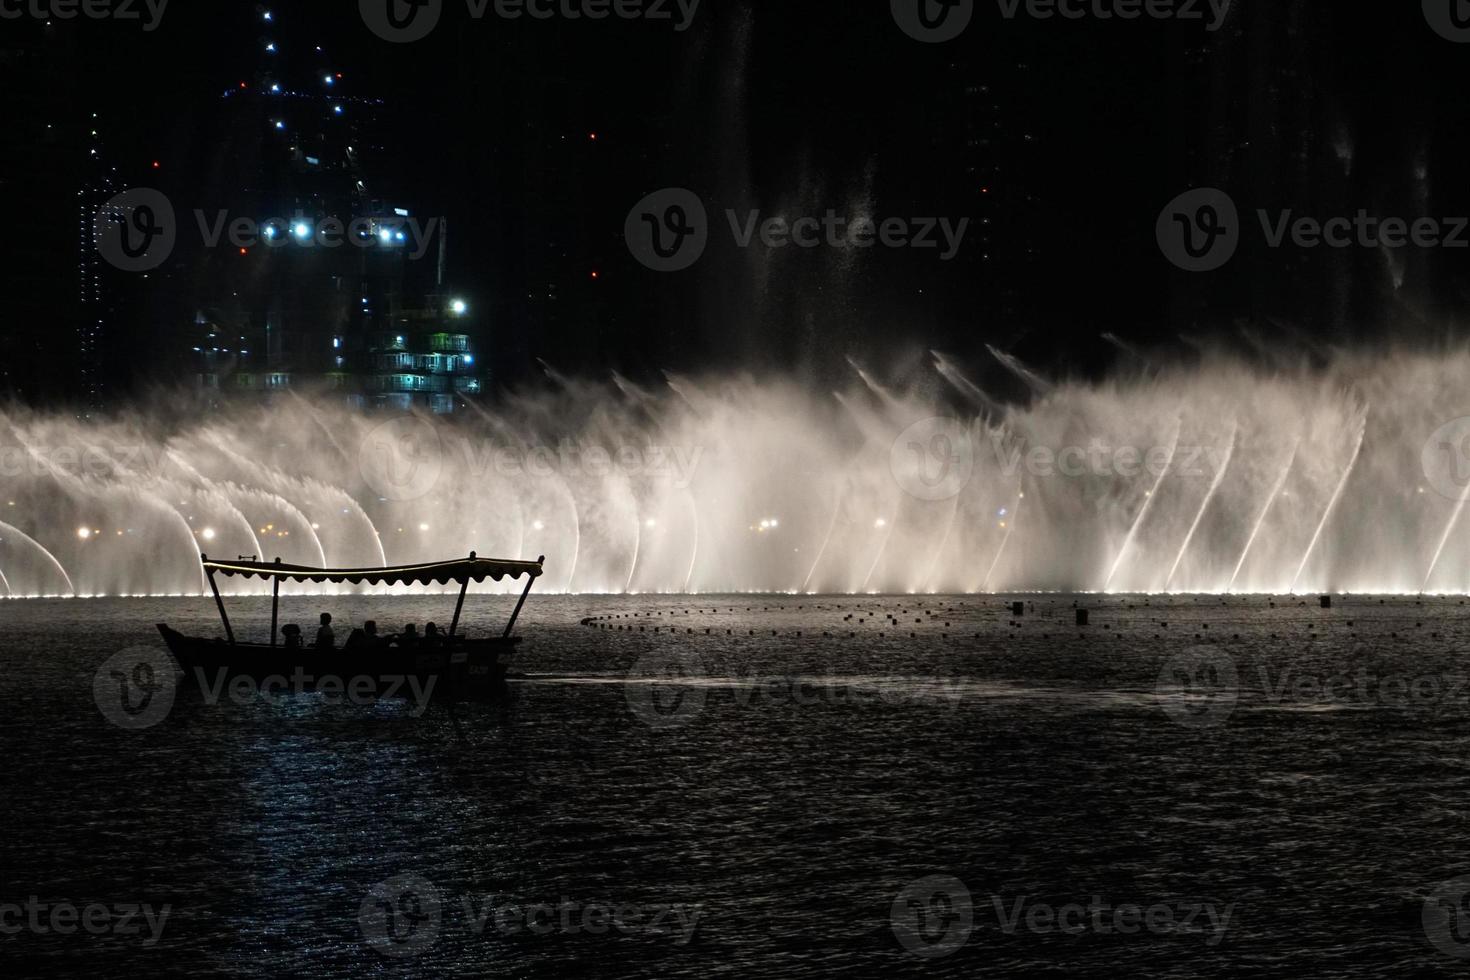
{"x": 292, "y": 634}
{"x": 433, "y": 639}
{"x": 409, "y": 638}
{"x": 326, "y": 639}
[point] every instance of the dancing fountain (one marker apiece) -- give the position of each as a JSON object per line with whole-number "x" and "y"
{"x": 1214, "y": 478}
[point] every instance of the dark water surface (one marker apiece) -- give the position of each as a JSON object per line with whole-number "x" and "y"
{"x": 1278, "y": 790}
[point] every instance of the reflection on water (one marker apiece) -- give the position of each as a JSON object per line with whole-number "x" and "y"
{"x": 686, "y": 802}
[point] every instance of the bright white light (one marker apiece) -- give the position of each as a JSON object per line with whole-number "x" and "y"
{"x": 385, "y": 235}
{"x": 207, "y": 534}
{"x": 267, "y": 16}
{"x": 270, "y": 232}
{"x": 650, "y": 523}
{"x": 337, "y": 109}
{"x": 84, "y": 533}
{"x": 329, "y": 79}
{"x": 423, "y": 527}
{"x": 880, "y": 522}
{"x": 280, "y": 124}
{"x": 400, "y": 236}
{"x": 302, "y": 229}
{"x": 469, "y": 358}
{"x": 271, "y": 47}
{"x": 538, "y": 525}
{"x": 459, "y": 306}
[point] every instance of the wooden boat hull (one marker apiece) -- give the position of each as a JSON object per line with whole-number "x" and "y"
{"x": 468, "y": 667}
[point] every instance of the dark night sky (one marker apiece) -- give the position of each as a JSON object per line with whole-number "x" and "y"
{"x": 1068, "y": 136}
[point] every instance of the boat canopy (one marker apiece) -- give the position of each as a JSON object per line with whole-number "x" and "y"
{"x": 461, "y": 570}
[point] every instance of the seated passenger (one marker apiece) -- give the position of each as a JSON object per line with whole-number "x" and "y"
{"x": 409, "y": 638}
{"x": 326, "y": 639}
{"x": 292, "y": 634}
{"x": 433, "y": 639}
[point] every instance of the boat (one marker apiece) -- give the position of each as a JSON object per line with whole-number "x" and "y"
{"x": 456, "y": 665}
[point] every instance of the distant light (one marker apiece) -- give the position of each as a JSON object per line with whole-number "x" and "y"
{"x": 385, "y": 235}
{"x": 650, "y": 523}
{"x": 271, "y": 47}
{"x": 400, "y": 236}
{"x": 398, "y": 340}
{"x": 330, "y": 80}
{"x": 270, "y": 232}
{"x": 302, "y": 229}
{"x": 423, "y": 527}
{"x": 594, "y": 273}
{"x": 592, "y": 136}
{"x": 156, "y": 165}
{"x": 275, "y": 87}
{"x": 337, "y": 109}
{"x": 207, "y": 534}
{"x": 537, "y": 525}
{"x": 880, "y": 522}
{"x": 84, "y": 533}
{"x": 267, "y": 16}
{"x": 469, "y": 358}
{"x": 244, "y": 251}
{"x": 459, "y": 307}
{"x": 280, "y": 124}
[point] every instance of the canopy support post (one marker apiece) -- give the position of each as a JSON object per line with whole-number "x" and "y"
{"x": 275, "y": 605}
{"x": 224, "y": 616}
{"x": 530, "y": 581}
{"x": 458, "y": 606}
